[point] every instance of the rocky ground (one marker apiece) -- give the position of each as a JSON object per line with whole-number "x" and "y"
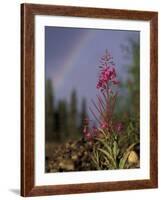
{"x": 76, "y": 155}
{"x": 70, "y": 156}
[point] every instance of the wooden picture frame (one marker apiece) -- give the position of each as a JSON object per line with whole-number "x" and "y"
{"x": 28, "y": 12}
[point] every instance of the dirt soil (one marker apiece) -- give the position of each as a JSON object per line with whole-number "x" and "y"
{"x": 69, "y": 156}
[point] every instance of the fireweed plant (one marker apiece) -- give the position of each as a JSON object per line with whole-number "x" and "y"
{"x": 109, "y": 137}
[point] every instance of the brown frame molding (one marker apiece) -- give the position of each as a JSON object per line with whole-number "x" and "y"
{"x": 28, "y": 11}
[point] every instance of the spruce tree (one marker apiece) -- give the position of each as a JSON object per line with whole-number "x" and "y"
{"x": 49, "y": 111}
{"x": 63, "y": 127}
{"x": 133, "y": 84}
{"x": 72, "y": 118}
{"x": 83, "y": 114}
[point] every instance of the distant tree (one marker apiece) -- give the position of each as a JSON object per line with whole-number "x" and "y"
{"x": 133, "y": 83}
{"x": 63, "y": 124}
{"x": 129, "y": 98}
{"x": 72, "y": 117}
{"x": 49, "y": 111}
{"x": 83, "y": 113}
{"x": 57, "y": 125}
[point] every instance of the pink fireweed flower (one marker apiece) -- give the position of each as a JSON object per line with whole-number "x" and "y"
{"x": 95, "y": 131}
{"x": 110, "y": 91}
{"x": 86, "y": 133}
{"x": 99, "y": 84}
{"x": 115, "y": 82}
{"x": 89, "y": 132}
{"x": 85, "y": 130}
{"x": 89, "y": 136}
{"x": 104, "y": 125}
{"x": 107, "y": 74}
{"x": 119, "y": 127}
{"x": 104, "y": 107}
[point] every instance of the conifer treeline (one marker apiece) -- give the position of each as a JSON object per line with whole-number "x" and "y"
{"x": 63, "y": 120}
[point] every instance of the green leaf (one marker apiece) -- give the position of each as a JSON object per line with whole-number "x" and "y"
{"x": 96, "y": 156}
{"x": 103, "y": 132}
{"x": 96, "y": 163}
{"x": 106, "y": 145}
{"x": 115, "y": 149}
{"x": 109, "y": 157}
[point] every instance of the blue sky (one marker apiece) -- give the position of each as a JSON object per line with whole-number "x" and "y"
{"x": 72, "y": 58}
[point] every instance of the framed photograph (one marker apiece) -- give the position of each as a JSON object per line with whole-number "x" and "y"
{"x": 88, "y": 99}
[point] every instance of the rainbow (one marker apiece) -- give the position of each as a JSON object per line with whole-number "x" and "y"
{"x": 69, "y": 63}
